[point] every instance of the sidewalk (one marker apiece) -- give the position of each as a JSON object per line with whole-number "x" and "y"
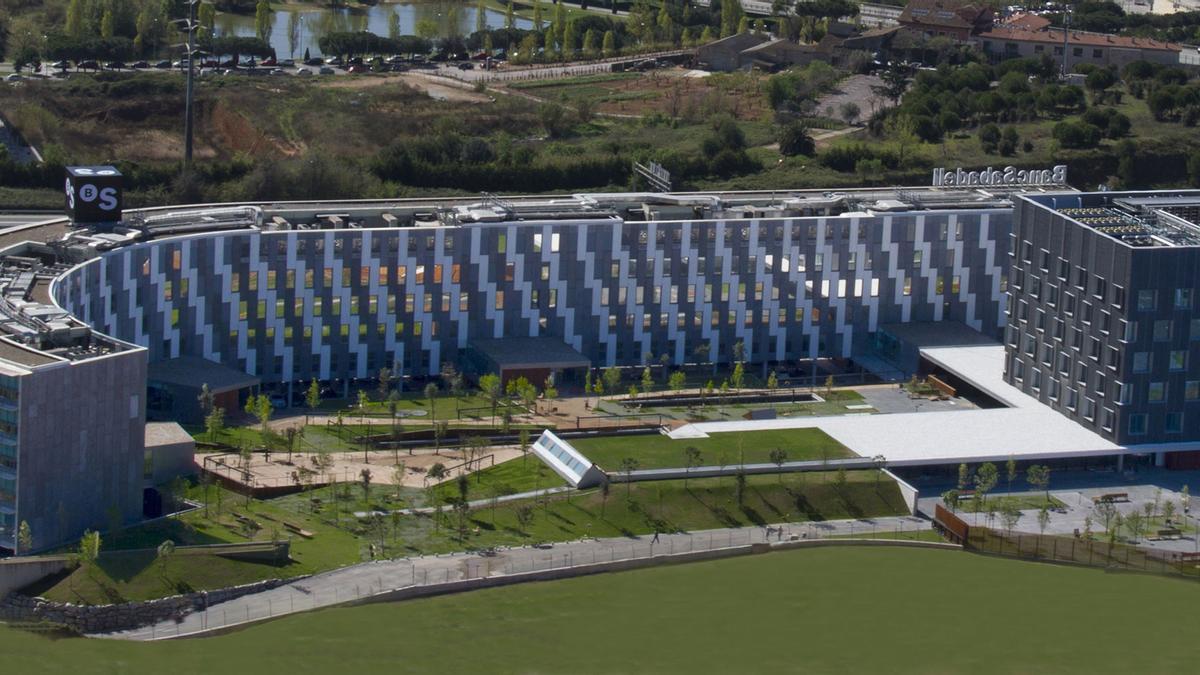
{"x": 362, "y": 581}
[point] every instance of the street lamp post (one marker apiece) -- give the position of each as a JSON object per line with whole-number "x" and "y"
{"x": 189, "y": 25}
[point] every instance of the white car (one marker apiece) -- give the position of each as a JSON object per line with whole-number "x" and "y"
{"x": 303, "y": 72}
{"x": 15, "y": 77}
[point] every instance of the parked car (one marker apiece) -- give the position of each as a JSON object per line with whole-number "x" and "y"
{"x": 287, "y": 63}
{"x": 116, "y": 65}
{"x": 14, "y": 77}
{"x": 394, "y": 59}
{"x": 210, "y": 63}
{"x": 466, "y": 65}
{"x": 357, "y": 68}
{"x": 87, "y": 65}
{"x": 314, "y": 61}
{"x": 325, "y": 70}
{"x": 333, "y": 61}
{"x": 269, "y": 61}
{"x": 355, "y": 61}
{"x": 162, "y": 65}
{"x": 139, "y": 65}
{"x": 399, "y": 67}
{"x": 303, "y": 72}
{"x": 249, "y": 63}
{"x": 277, "y": 71}
{"x": 60, "y": 65}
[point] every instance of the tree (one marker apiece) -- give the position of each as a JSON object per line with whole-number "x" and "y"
{"x": 1009, "y": 515}
{"x": 206, "y": 16}
{"x": 263, "y": 19}
{"x": 778, "y": 457}
{"x": 772, "y": 381}
{"x": 633, "y": 391}
{"x": 539, "y": 19}
{"x": 628, "y": 466}
{"x": 549, "y": 391}
{"x": 609, "y": 45}
{"x": 524, "y": 512}
{"x": 950, "y": 499}
{"x": 964, "y": 477}
{"x": 75, "y": 19}
{"x": 590, "y": 46}
{"x": 731, "y": 18}
{"x": 880, "y": 463}
{"x": 205, "y": 399}
{"x": 895, "y": 83}
{"x": 794, "y": 139}
{"x": 523, "y": 442}
{"x": 989, "y": 138}
{"x": 986, "y": 478}
{"x": 214, "y": 423}
{"x": 605, "y": 489}
{"x": 384, "y": 385}
{"x": 1043, "y": 519}
{"x": 691, "y": 459}
{"x": 1107, "y": 513}
{"x": 611, "y": 378}
{"x": 399, "y": 472}
{"x": 24, "y": 537}
{"x": 312, "y": 398}
{"x": 490, "y": 385}
{"x": 1038, "y": 475}
{"x": 89, "y": 551}
{"x": 738, "y": 379}
{"x": 739, "y": 487}
{"x": 1134, "y": 522}
{"x": 1011, "y": 472}
{"x": 108, "y": 21}
{"x": 850, "y": 112}
{"x": 165, "y": 550}
{"x": 259, "y": 407}
{"x": 647, "y": 380}
{"x": 677, "y": 381}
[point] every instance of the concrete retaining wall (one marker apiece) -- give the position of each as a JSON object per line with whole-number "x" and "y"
{"x": 126, "y": 616}
{"x": 910, "y": 493}
{"x": 638, "y": 563}
{"x": 17, "y": 573}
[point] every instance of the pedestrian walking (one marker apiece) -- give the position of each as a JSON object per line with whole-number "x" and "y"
{"x": 655, "y": 539}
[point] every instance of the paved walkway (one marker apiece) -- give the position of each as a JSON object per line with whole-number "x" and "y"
{"x": 365, "y": 580}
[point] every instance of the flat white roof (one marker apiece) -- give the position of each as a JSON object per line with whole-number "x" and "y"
{"x": 1027, "y": 430}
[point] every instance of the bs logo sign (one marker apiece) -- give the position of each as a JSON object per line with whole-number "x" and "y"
{"x": 93, "y": 194}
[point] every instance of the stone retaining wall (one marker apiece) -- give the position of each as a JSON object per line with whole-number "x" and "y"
{"x": 125, "y": 616}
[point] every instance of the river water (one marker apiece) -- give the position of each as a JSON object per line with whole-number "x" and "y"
{"x": 293, "y": 31}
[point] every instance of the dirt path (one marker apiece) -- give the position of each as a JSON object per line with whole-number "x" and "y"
{"x": 442, "y": 90}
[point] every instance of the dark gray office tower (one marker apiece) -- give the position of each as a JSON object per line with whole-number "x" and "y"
{"x": 1102, "y": 319}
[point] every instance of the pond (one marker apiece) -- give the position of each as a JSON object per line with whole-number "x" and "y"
{"x": 294, "y": 30}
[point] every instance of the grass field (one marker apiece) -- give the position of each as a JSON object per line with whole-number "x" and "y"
{"x": 655, "y": 451}
{"x": 831, "y": 610}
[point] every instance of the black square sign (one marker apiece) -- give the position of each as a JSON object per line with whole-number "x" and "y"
{"x": 93, "y": 194}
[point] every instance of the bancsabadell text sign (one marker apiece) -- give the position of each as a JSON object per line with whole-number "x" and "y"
{"x": 1008, "y": 176}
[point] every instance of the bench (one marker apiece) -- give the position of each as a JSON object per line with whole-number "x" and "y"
{"x": 941, "y": 386}
{"x": 1111, "y": 498}
{"x": 292, "y": 527}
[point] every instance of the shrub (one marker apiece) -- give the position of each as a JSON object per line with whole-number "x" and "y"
{"x": 1077, "y": 135}
{"x": 794, "y": 140}
{"x": 989, "y": 137}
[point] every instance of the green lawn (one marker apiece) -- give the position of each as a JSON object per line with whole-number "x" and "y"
{"x": 834, "y": 404}
{"x": 642, "y": 508}
{"x": 655, "y": 451}
{"x": 516, "y": 475}
{"x": 828, "y": 610}
{"x": 122, "y": 576}
{"x": 1024, "y": 502}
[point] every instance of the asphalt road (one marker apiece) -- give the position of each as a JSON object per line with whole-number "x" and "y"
{"x": 9, "y": 219}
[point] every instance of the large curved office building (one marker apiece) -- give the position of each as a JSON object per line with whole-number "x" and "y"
{"x": 283, "y": 293}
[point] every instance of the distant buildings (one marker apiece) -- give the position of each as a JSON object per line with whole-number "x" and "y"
{"x": 954, "y": 19}
{"x": 1032, "y": 37}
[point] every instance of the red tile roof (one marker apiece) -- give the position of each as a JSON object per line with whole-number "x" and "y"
{"x": 949, "y": 13}
{"x": 1027, "y": 21}
{"x": 1076, "y": 39}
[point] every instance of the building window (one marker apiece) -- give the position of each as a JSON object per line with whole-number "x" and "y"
{"x": 1178, "y": 359}
{"x": 1162, "y": 330}
{"x": 1174, "y": 423}
{"x": 1157, "y": 392}
{"x": 1146, "y": 301}
{"x": 1183, "y": 298}
{"x": 1191, "y": 390}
